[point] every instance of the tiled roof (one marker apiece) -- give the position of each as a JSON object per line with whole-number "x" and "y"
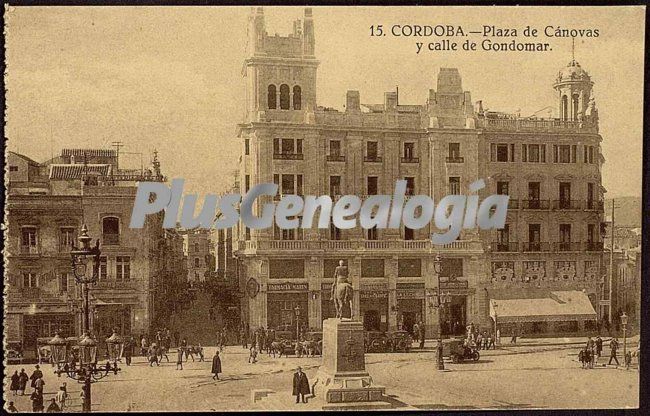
{"x": 89, "y": 152}
{"x": 77, "y": 171}
{"x": 560, "y": 306}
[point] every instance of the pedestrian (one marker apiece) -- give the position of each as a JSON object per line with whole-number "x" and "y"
{"x": 53, "y": 407}
{"x": 37, "y": 401}
{"x": 39, "y": 384}
{"x": 252, "y": 357}
{"x": 513, "y": 340}
{"x": 422, "y": 334}
{"x": 613, "y": 347}
{"x": 153, "y": 355}
{"x": 177, "y": 337}
{"x": 300, "y": 385}
{"x": 22, "y": 381}
{"x": 15, "y": 382}
{"x": 599, "y": 346}
{"x": 243, "y": 338}
{"x": 490, "y": 340}
{"x": 36, "y": 375}
{"x": 628, "y": 359}
{"x": 297, "y": 349}
{"x": 216, "y": 366}
{"x": 128, "y": 351}
{"x": 143, "y": 346}
{"x": 199, "y": 351}
{"x": 179, "y": 358}
{"x": 591, "y": 347}
{"x": 11, "y": 408}
{"x": 416, "y": 332}
{"x": 479, "y": 341}
{"x": 61, "y": 397}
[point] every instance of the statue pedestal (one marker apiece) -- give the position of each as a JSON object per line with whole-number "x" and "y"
{"x": 342, "y": 375}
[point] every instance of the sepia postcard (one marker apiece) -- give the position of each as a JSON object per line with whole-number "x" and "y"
{"x": 264, "y": 208}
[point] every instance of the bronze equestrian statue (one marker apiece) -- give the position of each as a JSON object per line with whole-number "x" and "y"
{"x": 342, "y": 292}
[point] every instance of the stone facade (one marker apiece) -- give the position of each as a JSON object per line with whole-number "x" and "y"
{"x": 439, "y": 147}
{"x": 45, "y": 210}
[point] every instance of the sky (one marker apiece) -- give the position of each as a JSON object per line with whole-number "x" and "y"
{"x": 169, "y": 78}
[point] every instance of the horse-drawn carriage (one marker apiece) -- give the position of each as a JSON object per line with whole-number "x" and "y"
{"x": 312, "y": 343}
{"x": 14, "y": 352}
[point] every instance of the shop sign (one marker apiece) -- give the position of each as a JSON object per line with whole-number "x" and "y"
{"x": 374, "y": 287}
{"x": 454, "y": 284}
{"x": 326, "y": 286}
{"x": 287, "y": 287}
{"x": 410, "y": 285}
{"x": 410, "y": 294}
{"x": 373, "y": 295}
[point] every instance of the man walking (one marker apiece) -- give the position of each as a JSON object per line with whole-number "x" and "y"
{"x": 613, "y": 346}
{"x": 300, "y": 385}
{"x": 422, "y": 334}
{"x": 599, "y": 346}
{"x": 416, "y": 332}
{"x": 179, "y": 358}
{"x": 591, "y": 349}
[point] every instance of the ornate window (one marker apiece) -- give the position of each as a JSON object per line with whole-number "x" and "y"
{"x": 297, "y": 99}
{"x": 284, "y": 97}
{"x": 272, "y": 98}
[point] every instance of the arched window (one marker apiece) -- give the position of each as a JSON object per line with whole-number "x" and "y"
{"x": 565, "y": 108}
{"x": 111, "y": 230}
{"x": 575, "y": 107}
{"x": 272, "y": 98}
{"x": 297, "y": 97}
{"x": 284, "y": 97}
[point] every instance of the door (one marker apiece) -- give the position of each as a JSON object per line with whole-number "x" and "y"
{"x": 534, "y": 236}
{"x": 408, "y": 320}
{"x": 371, "y": 320}
{"x": 533, "y": 194}
{"x": 565, "y": 195}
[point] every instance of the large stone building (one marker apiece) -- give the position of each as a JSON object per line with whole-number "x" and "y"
{"x": 199, "y": 251}
{"x": 550, "y": 168}
{"x": 46, "y": 206}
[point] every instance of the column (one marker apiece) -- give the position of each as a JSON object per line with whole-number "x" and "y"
{"x": 314, "y": 274}
{"x": 354, "y": 269}
{"x": 391, "y": 275}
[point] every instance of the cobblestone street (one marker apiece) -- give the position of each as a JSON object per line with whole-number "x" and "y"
{"x": 493, "y": 382}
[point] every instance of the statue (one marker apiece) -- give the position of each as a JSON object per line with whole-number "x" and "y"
{"x": 341, "y": 290}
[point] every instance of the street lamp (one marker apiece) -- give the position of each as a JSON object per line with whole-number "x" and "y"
{"x": 115, "y": 345}
{"x": 88, "y": 372}
{"x": 297, "y": 311}
{"x": 437, "y": 267}
{"x": 59, "y": 348}
{"x": 624, "y": 324}
{"x": 496, "y": 339}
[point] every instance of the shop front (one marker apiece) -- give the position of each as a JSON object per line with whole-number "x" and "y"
{"x": 454, "y": 313}
{"x": 287, "y": 306}
{"x": 373, "y": 306}
{"x": 410, "y": 305}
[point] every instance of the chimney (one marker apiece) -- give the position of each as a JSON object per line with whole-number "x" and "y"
{"x": 352, "y": 101}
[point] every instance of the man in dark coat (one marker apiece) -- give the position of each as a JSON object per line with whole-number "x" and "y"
{"x": 36, "y": 375}
{"x": 216, "y": 366}
{"x": 23, "y": 378}
{"x": 613, "y": 346}
{"x": 300, "y": 385}
{"x": 599, "y": 346}
{"x": 422, "y": 334}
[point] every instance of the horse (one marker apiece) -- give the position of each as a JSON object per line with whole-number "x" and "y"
{"x": 343, "y": 296}
{"x": 276, "y": 346}
{"x": 311, "y": 348}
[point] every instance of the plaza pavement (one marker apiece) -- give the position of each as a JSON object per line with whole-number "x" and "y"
{"x": 543, "y": 375}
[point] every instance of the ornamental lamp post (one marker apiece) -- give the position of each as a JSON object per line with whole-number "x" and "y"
{"x": 624, "y": 324}
{"x": 297, "y": 311}
{"x": 496, "y": 339}
{"x": 59, "y": 348}
{"x": 115, "y": 345}
{"x": 437, "y": 267}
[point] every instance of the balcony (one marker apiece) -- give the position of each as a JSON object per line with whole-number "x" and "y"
{"x": 592, "y": 205}
{"x": 567, "y": 246}
{"x": 354, "y": 245}
{"x": 288, "y": 156}
{"x": 278, "y": 197}
{"x": 535, "y": 247}
{"x": 31, "y": 250}
{"x": 542, "y": 204}
{"x": 513, "y": 203}
{"x": 567, "y": 204}
{"x": 457, "y": 159}
{"x": 111, "y": 239}
{"x": 116, "y": 284}
{"x": 594, "y": 246}
{"x": 335, "y": 158}
{"x": 372, "y": 159}
{"x": 410, "y": 160}
{"x": 504, "y": 247}
{"x": 32, "y": 294}
{"x": 513, "y": 123}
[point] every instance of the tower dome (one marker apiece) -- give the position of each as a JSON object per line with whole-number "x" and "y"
{"x": 573, "y": 85}
{"x": 573, "y": 71}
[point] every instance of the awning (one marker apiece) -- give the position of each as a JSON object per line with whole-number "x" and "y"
{"x": 570, "y": 305}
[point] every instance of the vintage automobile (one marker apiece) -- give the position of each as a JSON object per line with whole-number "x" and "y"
{"x": 400, "y": 341}
{"x": 458, "y": 351}
{"x": 376, "y": 341}
{"x": 14, "y": 352}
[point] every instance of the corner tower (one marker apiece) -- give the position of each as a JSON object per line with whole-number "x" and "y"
{"x": 573, "y": 85}
{"x": 280, "y": 71}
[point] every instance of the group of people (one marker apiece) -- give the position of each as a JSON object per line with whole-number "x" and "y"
{"x": 592, "y": 351}
{"x": 19, "y": 385}
{"x": 419, "y": 333}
